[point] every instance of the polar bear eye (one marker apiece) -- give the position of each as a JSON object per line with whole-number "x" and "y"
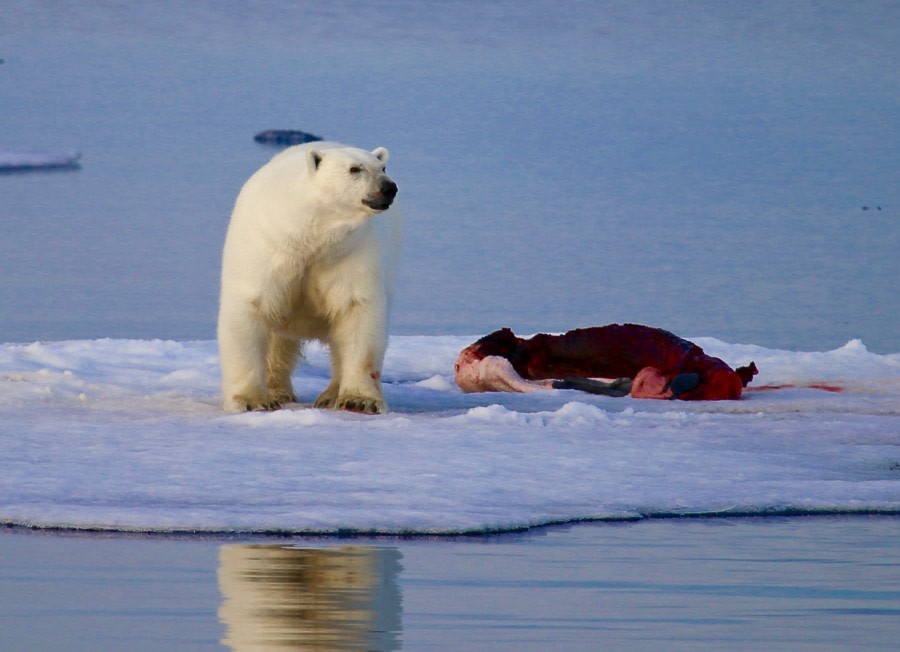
{"x": 355, "y": 169}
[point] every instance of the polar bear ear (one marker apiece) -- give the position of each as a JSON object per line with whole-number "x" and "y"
{"x": 381, "y": 154}
{"x": 313, "y": 157}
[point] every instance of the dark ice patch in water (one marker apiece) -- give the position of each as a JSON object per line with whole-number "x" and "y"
{"x": 285, "y": 137}
{"x": 29, "y": 161}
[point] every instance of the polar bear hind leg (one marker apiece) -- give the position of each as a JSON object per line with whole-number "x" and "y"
{"x": 282, "y": 357}
{"x": 243, "y": 349}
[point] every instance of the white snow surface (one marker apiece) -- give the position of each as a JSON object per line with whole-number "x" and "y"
{"x": 128, "y": 435}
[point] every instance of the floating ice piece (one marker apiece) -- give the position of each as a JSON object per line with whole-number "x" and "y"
{"x": 38, "y": 160}
{"x": 285, "y": 137}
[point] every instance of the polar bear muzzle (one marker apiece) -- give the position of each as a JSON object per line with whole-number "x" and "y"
{"x": 383, "y": 199}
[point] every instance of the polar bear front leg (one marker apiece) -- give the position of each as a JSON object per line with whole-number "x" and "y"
{"x": 243, "y": 344}
{"x": 357, "y": 344}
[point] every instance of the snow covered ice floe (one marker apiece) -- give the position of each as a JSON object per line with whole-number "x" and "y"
{"x": 129, "y": 435}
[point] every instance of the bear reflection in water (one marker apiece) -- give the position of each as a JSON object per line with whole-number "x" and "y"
{"x": 281, "y": 598}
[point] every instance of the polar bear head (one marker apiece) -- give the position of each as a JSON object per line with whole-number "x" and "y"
{"x": 352, "y": 178}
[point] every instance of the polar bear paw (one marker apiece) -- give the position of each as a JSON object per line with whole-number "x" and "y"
{"x": 363, "y": 404}
{"x": 351, "y": 403}
{"x": 241, "y": 404}
{"x": 264, "y": 407}
{"x": 256, "y": 403}
{"x": 328, "y": 398}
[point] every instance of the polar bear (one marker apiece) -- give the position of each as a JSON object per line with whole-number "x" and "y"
{"x": 302, "y": 260}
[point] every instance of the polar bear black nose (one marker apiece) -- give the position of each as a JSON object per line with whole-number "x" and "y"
{"x": 388, "y": 189}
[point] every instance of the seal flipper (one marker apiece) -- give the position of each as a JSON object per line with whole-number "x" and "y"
{"x": 617, "y": 388}
{"x": 746, "y": 373}
{"x": 683, "y": 383}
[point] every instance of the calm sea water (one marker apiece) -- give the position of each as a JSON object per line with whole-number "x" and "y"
{"x": 715, "y": 168}
{"x": 732, "y": 584}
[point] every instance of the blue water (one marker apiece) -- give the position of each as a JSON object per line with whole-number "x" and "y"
{"x": 824, "y": 584}
{"x": 722, "y": 169}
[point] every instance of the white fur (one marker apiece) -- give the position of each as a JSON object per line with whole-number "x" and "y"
{"x": 302, "y": 260}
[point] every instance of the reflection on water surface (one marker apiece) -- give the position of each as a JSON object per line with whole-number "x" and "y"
{"x": 283, "y": 598}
